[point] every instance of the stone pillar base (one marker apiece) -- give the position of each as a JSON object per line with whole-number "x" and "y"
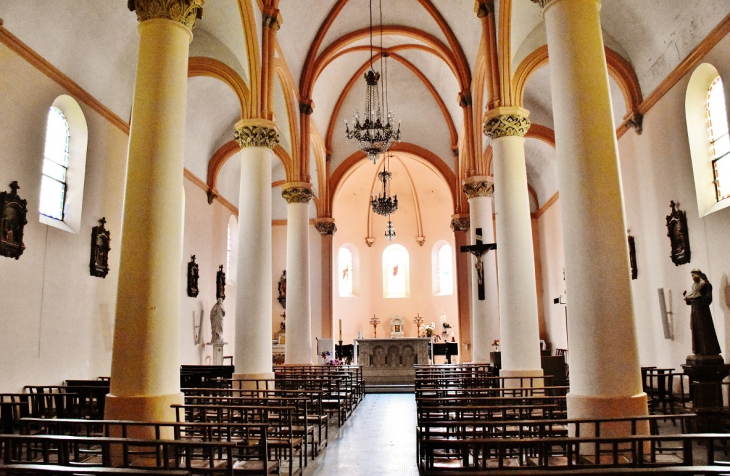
{"x": 152, "y": 408}
{"x": 253, "y": 385}
{"x": 514, "y": 383}
{"x": 595, "y": 407}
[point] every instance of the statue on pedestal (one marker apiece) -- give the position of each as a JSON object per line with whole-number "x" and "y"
{"x": 704, "y": 338}
{"x": 216, "y": 322}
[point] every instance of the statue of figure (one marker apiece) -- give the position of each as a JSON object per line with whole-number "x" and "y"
{"x": 704, "y": 338}
{"x": 216, "y": 321}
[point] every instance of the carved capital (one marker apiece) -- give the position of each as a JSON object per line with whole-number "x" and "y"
{"x": 256, "y": 133}
{"x": 272, "y": 19}
{"x": 369, "y": 240}
{"x": 420, "y": 240}
{"x": 325, "y": 226}
{"x": 506, "y": 122}
{"x": 465, "y": 98}
{"x": 484, "y": 8}
{"x": 478, "y": 187}
{"x": 459, "y": 223}
{"x": 182, "y": 11}
{"x": 297, "y": 193}
{"x": 306, "y": 106}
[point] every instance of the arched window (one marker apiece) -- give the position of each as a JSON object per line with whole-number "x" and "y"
{"x": 444, "y": 269}
{"x": 707, "y": 130}
{"x": 344, "y": 262}
{"x": 64, "y": 165}
{"x": 231, "y": 249}
{"x": 55, "y": 165}
{"x": 395, "y": 272}
{"x": 719, "y": 140}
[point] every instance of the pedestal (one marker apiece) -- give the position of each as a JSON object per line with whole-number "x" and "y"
{"x": 706, "y": 373}
{"x": 217, "y": 352}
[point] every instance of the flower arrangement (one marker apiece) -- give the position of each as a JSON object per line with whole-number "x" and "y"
{"x": 495, "y": 344}
{"x": 325, "y": 354}
{"x": 428, "y": 329}
{"x": 444, "y": 323}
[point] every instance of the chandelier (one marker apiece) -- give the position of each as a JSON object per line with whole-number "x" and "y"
{"x": 375, "y": 133}
{"x": 389, "y": 230}
{"x": 384, "y": 204}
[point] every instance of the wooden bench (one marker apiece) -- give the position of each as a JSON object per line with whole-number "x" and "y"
{"x": 33, "y": 469}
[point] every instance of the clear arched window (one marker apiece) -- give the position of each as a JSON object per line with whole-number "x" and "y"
{"x": 344, "y": 261}
{"x": 395, "y": 271}
{"x": 231, "y": 249}
{"x": 719, "y": 140}
{"x": 445, "y": 270}
{"x": 55, "y": 165}
{"x": 228, "y": 251}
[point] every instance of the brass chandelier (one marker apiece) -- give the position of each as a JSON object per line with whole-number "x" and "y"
{"x": 384, "y": 204}
{"x": 376, "y": 133}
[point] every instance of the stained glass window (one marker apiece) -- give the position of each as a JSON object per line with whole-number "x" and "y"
{"x": 55, "y": 164}
{"x": 445, "y": 270}
{"x": 344, "y": 260}
{"x": 717, "y": 127}
{"x": 395, "y": 270}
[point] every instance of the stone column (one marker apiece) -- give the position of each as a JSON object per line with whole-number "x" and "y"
{"x": 145, "y": 373}
{"x": 485, "y": 314}
{"x": 254, "y": 286}
{"x": 519, "y": 327}
{"x": 298, "y": 299}
{"x": 605, "y": 377}
{"x": 460, "y": 227}
{"x": 327, "y": 228}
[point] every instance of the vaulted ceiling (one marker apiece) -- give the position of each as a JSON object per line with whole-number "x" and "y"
{"x": 436, "y": 51}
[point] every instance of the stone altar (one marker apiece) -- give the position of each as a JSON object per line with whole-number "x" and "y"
{"x": 390, "y": 361}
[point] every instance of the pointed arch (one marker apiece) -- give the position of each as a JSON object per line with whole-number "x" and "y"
{"x": 213, "y": 68}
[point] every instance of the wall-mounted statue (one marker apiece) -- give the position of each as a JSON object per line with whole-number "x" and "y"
{"x": 678, "y": 234}
{"x": 220, "y": 284}
{"x": 704, "y": 338}
{"x": 193, "y": 274}
{"x": 13, "y": 211}
{"x": 282, "y": 290}
{"x": 216, "y": 322}
{"x": 100, "y": 246}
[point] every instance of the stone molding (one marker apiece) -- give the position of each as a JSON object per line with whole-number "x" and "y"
{"x": 181, "y": 11}
{"x": 460, "y": 224}
{"x": 297, "y": 194}
{"x": 325, "y": 226}
{"x": 256, "y": 133}
{"x": 481, "y": 188}
{"x": 506, "y": 125}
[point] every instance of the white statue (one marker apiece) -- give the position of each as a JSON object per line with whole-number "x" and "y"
{"x": 216, "y": 321}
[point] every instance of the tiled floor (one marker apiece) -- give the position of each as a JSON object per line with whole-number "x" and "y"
{"x": 378, "y": 439}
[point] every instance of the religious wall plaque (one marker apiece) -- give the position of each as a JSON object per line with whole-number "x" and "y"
{"x": 220, "y": 284}
{"x": 193, "y": 274}
{"x": 678, "y": 235}
{"x": 13, "y": 210}
{"x": 100, "y": 239}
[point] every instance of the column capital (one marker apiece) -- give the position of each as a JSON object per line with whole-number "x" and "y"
{"x": 306, "y": 106}
{"x": 256, "y": 133}
{"x": 272, "y": 18}
{"x": 506, "y": 122}
{"x": 297, "y": 192}
{"x": 483, "y": 8}
{"x": 478, "y": 186}
{"x": 325, "y": 226}
{"x": 542, "y": 3}
{"x": 181, "y": 11}
{"x": 460, "y": 223}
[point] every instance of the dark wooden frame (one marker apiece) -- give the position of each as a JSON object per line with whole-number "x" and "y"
{"x": 99, "y": 260}
{"x": 193, "y": 275}
{"x": 13, "y": 218}
{"x": 632, "y": 257}
{"x": 678, "y": 234}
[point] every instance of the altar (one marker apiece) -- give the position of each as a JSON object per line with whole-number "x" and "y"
{"x": 390, "y": 361}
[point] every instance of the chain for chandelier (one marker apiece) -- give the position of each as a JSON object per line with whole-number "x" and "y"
{"x": 376, "y": 133}
{"x": 384, "y": 204}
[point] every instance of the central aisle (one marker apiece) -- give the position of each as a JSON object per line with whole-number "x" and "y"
{"x": 379, "y": 439}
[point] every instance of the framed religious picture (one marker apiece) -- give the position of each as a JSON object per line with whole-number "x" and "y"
{"x": 678, "y": 235}
{"x": 13, "y": 211}
{"x": 100, "y": 239}
{"x": 220, "y": 284}
{"x": 281, "y": 287}
{"x": 193, "y": 274}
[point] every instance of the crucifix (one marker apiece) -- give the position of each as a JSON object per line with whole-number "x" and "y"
{"x": 418, "y": 320}
{"x": 375, "y": 321}
{"x": 478, "y": 250}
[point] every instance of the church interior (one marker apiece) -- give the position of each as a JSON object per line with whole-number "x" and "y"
{"x": 558, "y": 170}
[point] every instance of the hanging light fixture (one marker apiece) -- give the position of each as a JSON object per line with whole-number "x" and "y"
{"x": 389, "y": 230}
{"x": 376, "y": 133}
{"x": 384, "y": 204}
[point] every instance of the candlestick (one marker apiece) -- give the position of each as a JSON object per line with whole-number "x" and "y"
{"x": 670, "y": 302}
{"x": 340, "y": 329}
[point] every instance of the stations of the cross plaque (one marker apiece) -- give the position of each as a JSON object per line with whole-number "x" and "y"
{"x": 478, "y": 250}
